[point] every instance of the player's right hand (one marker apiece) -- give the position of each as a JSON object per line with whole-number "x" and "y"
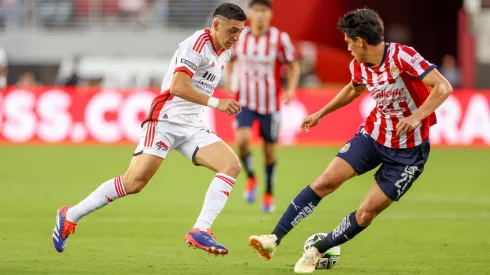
{"x": 229, "y": 106}
{"x": 310, "y": 121}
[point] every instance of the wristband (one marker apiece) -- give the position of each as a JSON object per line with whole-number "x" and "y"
{"x": 213, "y": 102}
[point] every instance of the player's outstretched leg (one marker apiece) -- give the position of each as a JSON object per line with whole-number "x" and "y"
{"x": 220, "y": 158}
{"x": 245, "y": 120}
{"x": 303, "y": 205}
{"x": 353, "y": 224}
{"x": 140, "y": 171}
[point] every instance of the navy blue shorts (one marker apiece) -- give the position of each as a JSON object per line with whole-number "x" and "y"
{"x": 269, "y": 123}
{"x": 399, "y": 167}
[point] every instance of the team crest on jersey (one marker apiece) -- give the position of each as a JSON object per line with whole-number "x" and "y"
{"x": 345, "y": 148}
{"x": 394, "y": 70}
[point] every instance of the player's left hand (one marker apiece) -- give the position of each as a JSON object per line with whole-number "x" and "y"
{"x": 407, "y": 125}
{"x": 288, "y": 97}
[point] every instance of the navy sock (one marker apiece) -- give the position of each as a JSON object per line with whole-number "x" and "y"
{"x": 302, "y": 206}
{"x": 347, "y": 230}
{"x": 247, "y": 162}
{"x": 270, "y": 174}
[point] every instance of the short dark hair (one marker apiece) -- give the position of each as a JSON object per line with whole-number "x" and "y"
{"x": 364, "y": 23}
{"x": 230, "y": 11}
{"x": 266, "y": 3}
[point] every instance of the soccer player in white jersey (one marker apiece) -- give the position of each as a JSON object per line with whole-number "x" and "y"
{"x": 395, "y": 135}
{"x": 257, "y": 59}
{"x": 175, "y": 122}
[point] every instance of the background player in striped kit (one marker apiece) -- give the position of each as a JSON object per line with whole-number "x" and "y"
{"x": 257, "y": 59}
{"x": 395, "y": 135}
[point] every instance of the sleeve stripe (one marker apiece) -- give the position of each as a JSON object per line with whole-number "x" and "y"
{"x": 198, "y": 41}
{"x": 427, "y": 72}
{"x": 185, "y": 70}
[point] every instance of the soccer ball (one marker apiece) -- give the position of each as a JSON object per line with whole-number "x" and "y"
{"x": 330, "y": 258}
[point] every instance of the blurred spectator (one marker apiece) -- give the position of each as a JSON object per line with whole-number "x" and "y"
{"x": 160, "y": 10}
{"x": 450, "y": 70}
{"x": 12, "y": 13}
{"x": 27, "y": 79}
{"x": 3, "y": 69}
{"x": 132, "y": 10}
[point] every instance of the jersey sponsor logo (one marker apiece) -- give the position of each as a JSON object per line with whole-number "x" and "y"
{"x": 162, "y": 146}
{"x": 205, "y": 86}
{"x": 345, "y": 148}
{"x": 416, "y": 59}
{"x": 189, "y": 64}
{"x": 209, "y": 76}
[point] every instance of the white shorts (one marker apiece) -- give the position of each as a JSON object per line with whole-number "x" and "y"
{"x": 158, "y": 138}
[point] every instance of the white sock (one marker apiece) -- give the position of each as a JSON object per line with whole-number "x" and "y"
{"x": 215, "y": 200}
{"x": 103, "y": 195}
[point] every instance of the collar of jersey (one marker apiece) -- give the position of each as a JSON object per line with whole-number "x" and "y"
{"x": 383, "y": 59}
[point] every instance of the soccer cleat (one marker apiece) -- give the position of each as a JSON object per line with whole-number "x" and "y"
{"x": 307, "y": 263}
{"x": 264, "y": 245}
{"x": 62, "y": 229}
{"x": 249, "y": 194}
{"x": 206, "y": 241}
{"x": 268, "y": 205}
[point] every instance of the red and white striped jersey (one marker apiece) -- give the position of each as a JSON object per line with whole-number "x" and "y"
{"x": 198, "y": 57}
{"x": 258, "y": 63}
{"x": 397, "y": 87}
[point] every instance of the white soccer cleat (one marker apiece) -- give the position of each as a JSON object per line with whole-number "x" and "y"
{"x": 307, "y": 263}
{"x": 264, "y": 245}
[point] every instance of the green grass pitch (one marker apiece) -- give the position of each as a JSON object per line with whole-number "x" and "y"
{"x": 441, "y": 226}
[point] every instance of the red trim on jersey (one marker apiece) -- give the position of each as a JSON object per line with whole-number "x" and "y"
{"x": 245, "y": 43}
{"x": 369, "y": 124}
{"x": 247, "y": 83}
{"x": 198, "y": 41}
{"x": 277, "y": 80}
{"x": 369, "y": 75}
{"x": 212, "y": 44}
{"x": 157, "y": 105}
{"x": 357, "y": 72}
{"x": 266, "y": 93}
{"x": 257, "y": 100}
{"x": 202, "y": 44}
{"x": 267, "y": 42}
{"x": 185, "y": 70}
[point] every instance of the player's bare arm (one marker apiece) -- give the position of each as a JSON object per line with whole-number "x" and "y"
{"x": 293, "y": 79}
{"x": 343, "y": 98}
{"x": 182, "y": 88}
{"x": 441, "y": 89}
{"x": 228, "y": 75}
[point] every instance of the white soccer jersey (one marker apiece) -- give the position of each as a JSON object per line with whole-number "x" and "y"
{"x": 198, "y": 57}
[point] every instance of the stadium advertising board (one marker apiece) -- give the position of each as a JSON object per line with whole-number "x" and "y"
{"x": 53, "y": 115}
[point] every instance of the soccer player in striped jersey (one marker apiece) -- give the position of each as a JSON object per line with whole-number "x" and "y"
{"x": 395, "y": 136}
{"x": 175, "y": 122}
{"x": 257, "y": 59}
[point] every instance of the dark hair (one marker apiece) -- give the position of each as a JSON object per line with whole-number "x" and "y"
{"x": 364, "y": 23}
{"x": 230, "y": 11}
{"x": 266, "y": 3}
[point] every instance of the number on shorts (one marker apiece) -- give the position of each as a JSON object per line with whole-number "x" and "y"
{"x": 406, "y": 178}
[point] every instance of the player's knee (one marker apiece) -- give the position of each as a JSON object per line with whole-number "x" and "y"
{"x": 325, "y": 184}
{"x": 365, "y": 217}
{"x": 133, "y": 186}
{"x": 232, "y": 168}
